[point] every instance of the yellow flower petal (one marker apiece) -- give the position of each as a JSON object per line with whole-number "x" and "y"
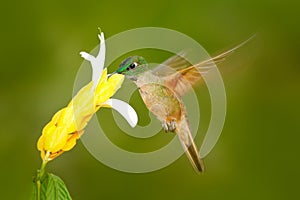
{"x": 71, "y": 141}
{"x": 55, "y": 139}
{"x": 106, "y": 90}
{"x": 40, "y": 144}
{"x": 103, "y": 78}
{"x": 42, "y": 155}
{"x": 67, "y": 125}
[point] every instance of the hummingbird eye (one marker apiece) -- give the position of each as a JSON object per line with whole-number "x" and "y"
{"x": 133, "y": 65}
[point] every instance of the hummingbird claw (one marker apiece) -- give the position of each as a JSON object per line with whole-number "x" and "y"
{"x": 165, "y": 126}
{"x": 169, "y": 126}
{"x": 172, "y": 125}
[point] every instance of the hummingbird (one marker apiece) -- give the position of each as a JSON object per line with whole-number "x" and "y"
{"x": 162, "y": 89}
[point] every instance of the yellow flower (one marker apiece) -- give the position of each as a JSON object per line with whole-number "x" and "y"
{"x": 68, "y": 124}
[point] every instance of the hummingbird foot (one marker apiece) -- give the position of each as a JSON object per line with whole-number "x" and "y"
{"x": 165, "y": 126}
{"x": 169, "y": 126}
{"x": 172, "y": 125}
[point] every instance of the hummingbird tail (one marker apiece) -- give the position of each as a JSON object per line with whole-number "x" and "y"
{"x": 193, "y": 155}
{"x": 189, "y": 146}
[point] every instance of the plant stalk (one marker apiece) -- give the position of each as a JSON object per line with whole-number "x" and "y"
{"x": 40, "y": 175}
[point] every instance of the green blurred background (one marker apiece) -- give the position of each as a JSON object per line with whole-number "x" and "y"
{"x": 257, "y": 156}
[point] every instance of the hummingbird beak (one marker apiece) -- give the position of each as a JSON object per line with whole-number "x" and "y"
{"x": 109, "y": 75}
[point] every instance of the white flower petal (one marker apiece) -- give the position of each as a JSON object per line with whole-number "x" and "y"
{"x": 87, "y": 56}
{"x": 98, "y": 61}
{"x": 125, "y": 110}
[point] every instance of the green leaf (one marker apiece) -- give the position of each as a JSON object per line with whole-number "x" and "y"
{"x": 52, "y": 188}
{"x": 34, "y": 191}
{"x": 56, "y": 188}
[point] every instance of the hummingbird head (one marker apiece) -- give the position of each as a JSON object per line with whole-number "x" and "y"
{"x": 132, "y": 67}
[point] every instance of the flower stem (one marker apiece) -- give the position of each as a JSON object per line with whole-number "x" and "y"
{"x": 40, "y": 175}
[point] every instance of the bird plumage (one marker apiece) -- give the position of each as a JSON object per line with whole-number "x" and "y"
{"x": 162, "y": 89}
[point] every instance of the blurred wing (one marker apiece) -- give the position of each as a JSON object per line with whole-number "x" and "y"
{"x": 171, "y": 65}
{"x": 182, "y": 80}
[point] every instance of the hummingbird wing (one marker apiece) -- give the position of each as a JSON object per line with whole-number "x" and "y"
{"x": 183, "y": 79}
{"x": 180, "y": 76}
{"x": 170, "y": 66}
